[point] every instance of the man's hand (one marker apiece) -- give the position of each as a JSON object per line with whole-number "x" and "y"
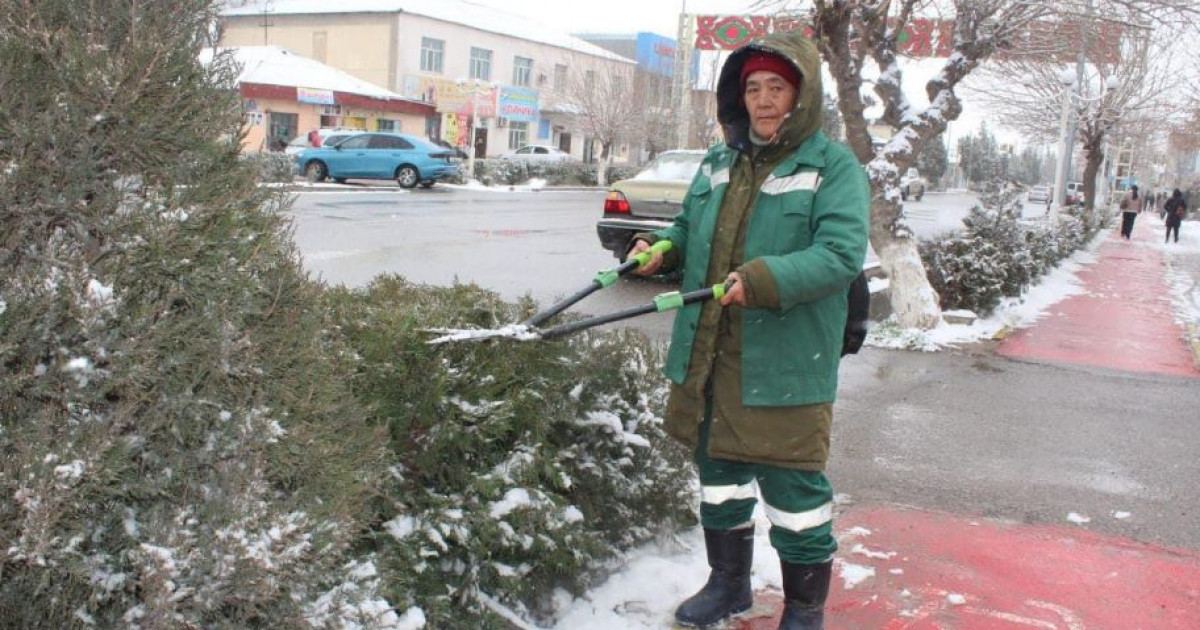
{"x": 650, "y": 267}
{"x": 736, "y": 294}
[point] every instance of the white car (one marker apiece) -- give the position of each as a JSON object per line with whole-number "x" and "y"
{"x": 329, "y": 137}
{"x": 1038, "y": 194}
{"x": 912, "y": 185}
{"x": 537, "y": 153}
{"x": 1075, "y": 194}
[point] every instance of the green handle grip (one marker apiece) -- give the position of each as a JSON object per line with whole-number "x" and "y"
{"x": 668, "y": 301}
{"x": 661, "y": 247}
{"x": 675, "y": 299}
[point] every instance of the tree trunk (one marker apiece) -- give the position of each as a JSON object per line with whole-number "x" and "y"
{"x": 602, "y": 164}
{"x": 913, "y": 299}
{"x": 1093, "y": 150}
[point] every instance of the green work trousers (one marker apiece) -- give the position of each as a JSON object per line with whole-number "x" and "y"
{"x": 798, "y": 503}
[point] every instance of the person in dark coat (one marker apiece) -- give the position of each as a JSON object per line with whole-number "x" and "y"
{"x": 1176, "y": 210}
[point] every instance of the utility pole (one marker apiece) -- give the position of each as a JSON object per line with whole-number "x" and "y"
{"x": 681, "y": 88}
{"x": 266, "y": 23}
{"x": 1085, "y": 42}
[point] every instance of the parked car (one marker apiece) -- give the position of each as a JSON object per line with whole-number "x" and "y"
{"x": 407, "y": 159}
{"x": 329, "y": 137}
{"x": 647, "y": 201}
{"x": 1038, "y": 194}
{"x": 912, "y": 185}
{"x": 458, "y": 152}
{"x": 537, "y": 153}
{"x": 1075, "y": 194}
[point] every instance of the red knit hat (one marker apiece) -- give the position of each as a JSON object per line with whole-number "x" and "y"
{"x": 771, "y": 63}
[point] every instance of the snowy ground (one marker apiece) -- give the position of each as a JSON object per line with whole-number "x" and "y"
{"x": 655, "y": 578}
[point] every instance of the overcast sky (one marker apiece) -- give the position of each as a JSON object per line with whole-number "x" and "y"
{"x": 615, "y": 16}
{"x": 662, "y": 17}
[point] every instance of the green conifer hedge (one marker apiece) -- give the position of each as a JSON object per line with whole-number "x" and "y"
{"x": 195, "y": 434}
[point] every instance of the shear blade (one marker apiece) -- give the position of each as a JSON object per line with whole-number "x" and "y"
{"x": 519, "y": 332}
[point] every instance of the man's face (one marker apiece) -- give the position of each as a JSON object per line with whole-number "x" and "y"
{"x": 769, "y": 99}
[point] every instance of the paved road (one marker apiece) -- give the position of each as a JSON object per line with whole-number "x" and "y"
{"x": 515, "y": 243}
{"x": 955, "y": 433}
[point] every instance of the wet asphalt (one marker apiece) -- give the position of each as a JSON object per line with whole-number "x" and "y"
{"x": 965, "y": 431}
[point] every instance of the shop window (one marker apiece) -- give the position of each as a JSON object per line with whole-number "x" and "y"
{"x": 481, "y": 64}
{"x": 518, "y": 134}
{"x": 283, "y": 127}
{"x": 386, "y": 124}
{"x": 355, "y": 122}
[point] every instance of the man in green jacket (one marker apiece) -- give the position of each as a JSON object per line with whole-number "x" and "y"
{"x": 781, "y": 212}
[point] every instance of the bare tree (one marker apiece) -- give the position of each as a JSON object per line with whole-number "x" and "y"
{"x": 1123, "y": 95}
{"x": 610, "y": 106}
{"x": 851, "y": 33}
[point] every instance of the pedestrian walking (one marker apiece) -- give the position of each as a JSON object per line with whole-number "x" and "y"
{"x": 314, "y": 139}
{"x": 1175, "y": 209}
{"x": 1131, "y": 206}
{"x": 781, "y": 211}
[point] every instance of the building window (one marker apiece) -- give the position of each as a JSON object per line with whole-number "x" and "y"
{"x": 589, "y": 78}
{"x": 481, "y": 64}
{"x": 282, "y": 128}
{"x": 518, "y": 134}
{"x": 560, "y": 76}
{"x": 522, "y": 71}
{"x": 431, "y": 55}
{"x": 385, "y": 124}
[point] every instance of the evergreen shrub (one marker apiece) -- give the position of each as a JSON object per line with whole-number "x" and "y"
{"x": 497, "y": 172}
{"x": 179, "y": 443}
{"x": 998, "y": 254}
{"x": 194, "y": 434}
{"x": 517, "y": 468}
{"x": 272, "y": 168}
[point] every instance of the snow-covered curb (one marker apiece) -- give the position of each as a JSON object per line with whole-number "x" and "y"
{"x": 1013, "y": 313}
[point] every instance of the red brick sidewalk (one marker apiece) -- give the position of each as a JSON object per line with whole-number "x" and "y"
{"x": 934, "y": 571}
{"x": 1123, "y": 321}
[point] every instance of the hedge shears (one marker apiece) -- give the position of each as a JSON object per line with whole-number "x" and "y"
{"x": 528, "y": 329}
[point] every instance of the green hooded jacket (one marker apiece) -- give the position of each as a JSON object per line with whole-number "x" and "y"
{"x": 791, "y": 217}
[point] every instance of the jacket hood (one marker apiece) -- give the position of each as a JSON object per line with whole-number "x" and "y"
{"x": 805, "y": 119}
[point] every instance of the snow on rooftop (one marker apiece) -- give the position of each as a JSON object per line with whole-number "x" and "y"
{"x": 272, "y": 65}
{"x": 461, "y": 12}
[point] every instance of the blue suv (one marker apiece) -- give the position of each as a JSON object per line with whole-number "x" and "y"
{"x": 407, "y": 159}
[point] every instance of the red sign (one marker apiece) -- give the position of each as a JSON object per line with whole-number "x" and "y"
{"x": 921, "y": 37}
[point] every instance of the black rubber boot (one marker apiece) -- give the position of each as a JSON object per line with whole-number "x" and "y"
{"x": 730, "y": 553}
{"x": 805, "y": 587}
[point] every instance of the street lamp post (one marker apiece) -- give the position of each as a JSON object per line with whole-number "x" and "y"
{"x": 476, "y": 87}
{"x": 1067, "y": 78}
{"x": 1070, "y": 95}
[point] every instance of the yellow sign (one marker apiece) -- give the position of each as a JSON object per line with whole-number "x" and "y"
{"x": 448, "y": 96}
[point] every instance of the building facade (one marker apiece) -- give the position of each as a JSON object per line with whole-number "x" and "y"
{"x": 285, "y": 95}
{"x": 506, "y": 75}
{"x": 654, "y": 83}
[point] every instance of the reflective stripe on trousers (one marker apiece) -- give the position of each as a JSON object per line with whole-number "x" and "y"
{"x": 798, "y": 503}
